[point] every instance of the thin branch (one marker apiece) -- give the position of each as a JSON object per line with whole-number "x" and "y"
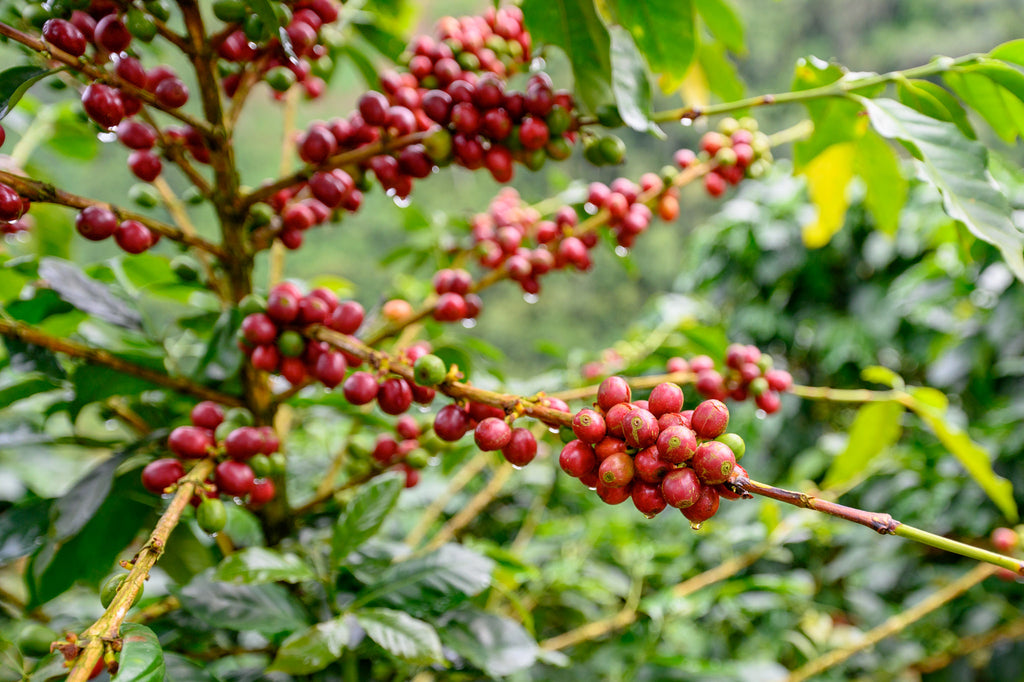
{"x": 895, "y": 624}
{"x": 100, "y": 75}
{"x": 47, "y": 193}
{"x": 598, "y": 628}
{"x": 30, "y": 335}
{"x": 472, "y": 509}
{"x": 469, "y": 471}
{"x": 180, "y": 216}
{"x": 107, "y": 629}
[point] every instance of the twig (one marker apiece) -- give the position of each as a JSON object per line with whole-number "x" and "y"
{"x": 155, "y": 610}
{"x": 460, "y": 480}
{"x": 27, "y": 334}
{"x": 46, "y": 193}
{"x": 472, "y": 509}
{"x": 895, "y": 624}
{"x": 106, "y": 630}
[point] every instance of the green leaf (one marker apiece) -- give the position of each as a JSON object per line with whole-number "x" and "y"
{"x": 933, "y": 100}
{"x": 223, "y": 358}
{"x": 76, "y": 507}
{"x": 71, "y": 136}
{"x": 142, "y": 658}
{"x": 875, "y": 428}
{"x": 497, "y": 645}
{"x": 15, "y": 387}
{"x": 573, "y": 25}
{"x": 998, "y": 106}
{"x": 630, "y": 83}
{"x": 58, "y": 236}
{"x": 181, "y": 669}
{"x": 974, "y": 458}
{"x": 272, "y": 23}
{"x": 721, "y": 75}
{"x": 664, "y": 31}
{"x": 876, "y": 163}
{"x": 187, "y": 555}
{"x": 362, "y": 63}
{"x": 957, "y": 167}
{"x": 364, "y": 515}
{"x": 828, "y": 175}
{"x": 876, "y": 374}
{"x": 1012, "y": 51}
{"x": 268, "y": 609}
{"x": 723, "y": 22}
{"x": 931, "y": 397}
{"x": 243, "y": 527}
{"x": 445, "y": 576}
{"x": 22, "y": 528}
{"x": 402, "y": 635}
{"x": 260, "y": 565}
{"x": 312, "y": 649}
{"x": 87, "y": 294}
{"x": 15, "y": 82}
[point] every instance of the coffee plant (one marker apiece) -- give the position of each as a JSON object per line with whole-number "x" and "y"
{"x": 176, "y": 415}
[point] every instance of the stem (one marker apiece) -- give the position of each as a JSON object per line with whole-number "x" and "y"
{"x": 894, "y": 624}
{"x": 27, "y": 334}
{"x": 108, "y": 627}
{"x": 277, "y": 249}
{"x": 840, "y": 88}
{"x": 97, "y": 74}
{"x": 881, "y": 523}
{"x": 47, "y": 193}
{"x": 180, "y": 216}
{"x": 851, "y": 395}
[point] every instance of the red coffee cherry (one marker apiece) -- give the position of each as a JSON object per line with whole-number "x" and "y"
{"x": 171, "y": 92}
{"x": 665, "y": 398}
{"x": 145, "y": 164}
{"x": 11, "y": 205}
{"x": 704, "y": 508}
{"x": 258, "y": 329}
{"x": 136, "y": 134}
{"x": 577, "y": 458}
{"x": 394, "y": 396}
{"x": 262, "y": 491}
{"x": 713, "y": 462}
{"x": 681, "y": 488}
{"x": 112, "y": 34}
{"x": 650, "y": 468}
{"x": 234, "y": 478}
{"x": 640, "y": 428}
{"x": 451, "y": 423}
{"x": 616, "y": 470}
{"x": 492, "y": 434}
{"x": 64, "y": 35}
{"x": 161, "y": 473}
{"x": 710, "y": 419}
{"x": 96, "y": 223}
{"x": 521, "y": 447}
{"x": 330, "y": 369}
{"x": 588, "y": 425}
{"x": 647, "y": 498}
{"x": 244, "y": 443}
{"x": 1005, "y": 539}
{"x": 133, "y": 236}
{"x": 360, "y": 388}
{"x": 207, "y": 415}
{"x": 190, "y": 442}
{"x": 677, "y": 444}
{"x": 103, "y": 104}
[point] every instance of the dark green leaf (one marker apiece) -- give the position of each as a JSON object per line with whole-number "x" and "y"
{"x": 496, "y": 645}
{"x": 573, "y": 25}
{"x": 875, "y": 428}
{"x": 402, "y": 635}
{"x": 23, "y": 528}
{"x": 15, "y": 82}
{"x": 187, "y": 555}
{"x": 664, "y": 31}
{"x": 260, "y": 565}
{"x": 86, "y": 294}
{"x": 957, "y": 167}
{"x": 243, "y": 527}
{"x": 272, "y": 24}
{"x": 630, "y": 83}
{"x": 362, "y": 63}
{"x": 384, "y": 41}
{"x": 15, "y": 387}
{"x": 364, "y": 515}
{"x": 269, "y": 609}
{"x": 223, "y": 358}
{"x": 312, "y": 649}
{"x": 933, "y": 100}
{"x": 59, "y": 234}
{"x": 723, "y": 22}
{"x": 142, "y": 658}
{"x": 94, "y": 383}
{"x": 72, "y": 137}
{"x": 434, "y": 580}
{"x": 73, "y": 510}
{"x": 181, "y": 669}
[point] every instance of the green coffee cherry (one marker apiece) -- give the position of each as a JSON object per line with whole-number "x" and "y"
{"x": 211, "y": 515}
{"x": 111, "y": 587}
{"x": 278, "y": 464}
{"x": 429, "y": 370}
{"x": 735, "y": 443}
{"x": 230, "y": 11}
{"x": 558, "y": 149}
{"x": 193, "y": 196}
{"x": 144, "y": 195}
{"x": 558, "y": 120}
{"x": 613, "y": 149}
{"x": 34, "y": 640}
{"x": 608, "y": 116}
{"x": 261, "y": 465}
{"x": 159, "y": 9}
{"x": 291, "y": 343}
{"x": 280, "y": 78}
{"x": 140, "y": 25}
{"x": 239, "y": 416}
{"x": 418, "y": 458}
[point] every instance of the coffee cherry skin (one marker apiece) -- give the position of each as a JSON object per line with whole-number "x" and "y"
{"x": 161, "y": 473}
{"x": 588, "y": 425}
{"x": 492, "y": 434}
{"x": 330, "y": 368}
{"x": 234, "y": 478}
{"x": 262, "y": 492}
{"x": 360, "y": 388}
{"x": 133, "y": 236}
{"x": 211, "y": 515}
{"x": 346, "y": 318}
{"x": 677, "y": 444}
{"x": 616, "y": 470}
{"x": 647, "y": 498}
{"x": 190, "y": 442}
{"x": 710, "y": 419}
{"x": 96, "y": 223}
{"x": 521, "y": 447}
{"x": 103, "y": 104}
{"x": 64, "y": 35}
{"x": 612, "y": 391}
{"x": 577, "y": 458}
{"x": 451, "y": 423}
{"x": 681, "y": 488}
{"x": 394, "y": 396}
{"x": 665, "y": 398}
{"x": 704, "y": 508}
{"x": 640, "y": 428}
{"x": 1005, "y": 539}
{"x": 713, "y": 462}
{"x": 243, "y": 443}
{"x": 650, "y": 468}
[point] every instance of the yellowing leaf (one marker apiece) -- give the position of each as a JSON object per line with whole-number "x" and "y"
{"x": 828, "y": 175}
{"x": 694, "y": 87}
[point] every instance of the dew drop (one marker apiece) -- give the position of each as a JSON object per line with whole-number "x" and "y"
{"x": 468, "y": 323}
{"x": 621, "y": 251}
{"x": 400, "y": 202}
{"x": 517, "y": 467}
{"x": 590, "y": 208}
{"x": 696, "y": 526}
{"x": 686, "y": 121}
{"x": 107, "y": 137}
{"x": 531, "y": 298}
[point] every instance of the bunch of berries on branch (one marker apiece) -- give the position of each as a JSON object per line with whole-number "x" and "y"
{"x": 654, "y": 452}
{"x": 247, "y": 459}
{"x": 746, "y": 372}
{"x": 402, "y": 451}
{"x": 736, "y": 150}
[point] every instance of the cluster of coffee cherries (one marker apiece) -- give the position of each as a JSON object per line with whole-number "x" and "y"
{"x": 736, "y": 150}
{"x": 248, "y": 41}
{"x": 271, "y": 334}
{"x": 747, "y": 372}
{"x": 1006, "y": 541}
{"x": 653, "y": 452}
{"x": 247, "y": 459}
{"x": 494, "y": 42}
{"x": 403, "y": 450}
{"x": 455, "y": 301}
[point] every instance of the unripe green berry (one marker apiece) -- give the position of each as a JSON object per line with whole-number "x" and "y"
{"x": 211, "y": 515}
{"x": 613, "y": 150}
{"x": 566, "y": 434}
{"x": 280, "y": 78}
{"x": 140, "y": 25}
{"x": 418, "y": 458}
{"x": 728, "y": 125}
{"x": 278, "y": 464}
{"x": 429, "y": 370}
{"x": 254, "y": 28}
{"x": 291, "y": 343}
{"x": 260, "y": 465}
{"x": 111, "y": 587}
{"x": 758, "y": 386}
{"x": 34, "y": 640}
{"x": 159, "y": 9}
{"x": 748, "y": 123}
{"x": 438, "y": 146}
{"x": 144, "y": 195}
{"x": 735, "y": 443}
{"x": 725, "y": 157}
{"x": 191, "y": 195}
{"x": 558, "y": 120}
{"x": 260, "y": 215}
{"x": 229, "y": 11}
{"x": 252, "y": 304}
{"x": 608, "y": 116}
{"x": 239, "y": 416}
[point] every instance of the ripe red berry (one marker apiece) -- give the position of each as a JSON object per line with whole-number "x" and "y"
{"x": 64, "y": 35}
{"x": 647, "y": 498}
{"x": 282, "y": 305}
{"x": 171, "y": 92}
{"x": 714, "y": 184}
{"x": 779, "y": 379}
{"x": 103, "y": 104}
{"x": 450, "y": 307}
{"x": 258, "y": 329}
{"x": 616, "y": 470}
{"x": 614, "y": 418}
{"x": 577, "y": 458}
{"x": 161, "y": 473}
{"x": 612, "y": 391}
{"x": 769, "y": 401}
{"x": 665, "y": 398}
{"x": 521, "y": 447}
{"x": 1005, "y": 539}
{"x": 133, "y": 236}
{"x": 710, "y": 419}
{"x": 112, "y": 34}
{"x": 498, "y": 161}
{"x": 677, "y": 444}
{"x": 330, "y": 368}
{"x": 145, "y": 164}
{"x": 533, "y": 133}
{"x": 262, "y": 491}
{"x": 451, "y": 423}
{"x": 207, "y": 415}
{"x": 317, "y": 144}
{"x": 190, "y": 442}
{"x": 234, "y": 478}
{"x": 713, "y": 462}
{"x": 492, "y": 434}
{"x": 265, "y": 358}
{"x": 704, "y": 508}
{"x": 244, "y": 442}
{"x": 640, "y": 428}
{"x": 394, "y": 395}
{"x": 373, "y": 107}
{"x": 11, "y": 205}
{"x": 94, "y": 222}
{"x": 681, "y": 488}
{"x": 136, "y": 134}
{"x": 360, "y": 388}
{"x": 650, "y": 467}
{"x": 588, "y": 425}
{"x": 611, "y": 494}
